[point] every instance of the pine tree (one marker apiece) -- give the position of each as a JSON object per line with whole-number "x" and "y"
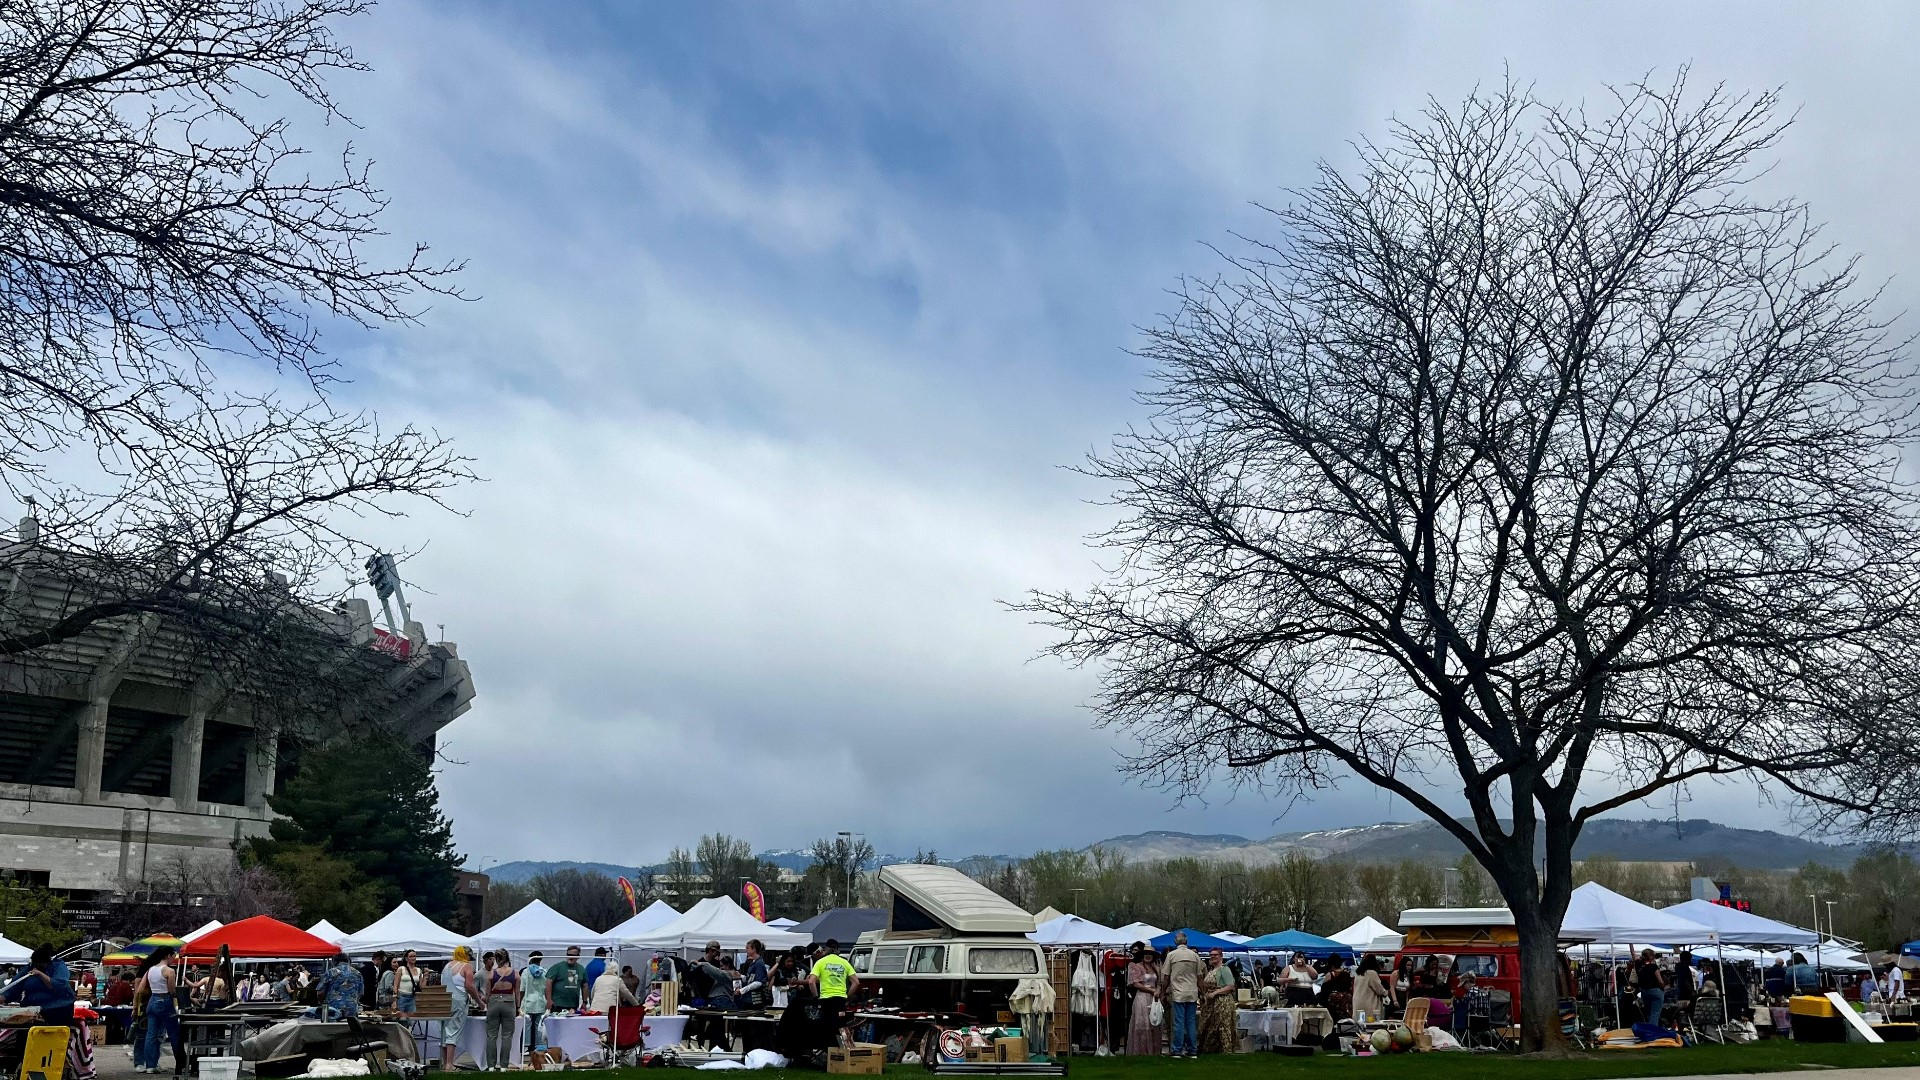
{"x": 372, "y": 804}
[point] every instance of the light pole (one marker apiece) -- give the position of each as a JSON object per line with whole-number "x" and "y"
{"x": 846, "y": 838}
{"x": 1815, "y": 897}
{"x": 1446, "y": 885}
{"x": 1829, "y": 919}
{"x": 1076, "y": 899}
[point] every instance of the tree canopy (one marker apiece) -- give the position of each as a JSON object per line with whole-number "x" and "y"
{"x": 371, "y": 805}
{"x": 1535, "y": 462}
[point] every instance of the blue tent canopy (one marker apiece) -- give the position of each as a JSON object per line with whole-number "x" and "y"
{"x": 1196, "y": 941}
{"x": 1911, "y": 948}
{"x": 1299, "y": 941}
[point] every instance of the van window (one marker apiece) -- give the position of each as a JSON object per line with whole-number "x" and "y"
{"x": 890, "y": 960}
{"x": 1014, "y": 961}
{"x": 1479, "y": 966}
{"x": 928, "y": 960}
{"x": 862, "y": 960}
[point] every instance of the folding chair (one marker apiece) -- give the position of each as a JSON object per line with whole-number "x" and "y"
{"x": 623, "y": 1043}
{"x": 1709, "y": 1019}
{"x": 1415, "y": 1020}
{"x": 1571, "y": 1024}
{"x": 1486, "y": 1016}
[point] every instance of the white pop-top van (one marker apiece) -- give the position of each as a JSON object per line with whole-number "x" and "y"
{"x": 951, "y": 945}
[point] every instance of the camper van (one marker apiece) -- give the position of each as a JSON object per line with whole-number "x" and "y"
{"x": 951, "y": 945}
{"x": 1459, "y": 941}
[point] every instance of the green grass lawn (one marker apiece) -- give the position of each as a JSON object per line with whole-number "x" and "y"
{"x": 1766, "y": 1056}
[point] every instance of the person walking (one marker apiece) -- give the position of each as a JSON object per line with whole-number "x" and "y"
{"x": 1143, "y": 978}
{"x": 457, "y": 977}
{"x": 163, "y": 1013}
{"x": 503, "y": 1004}
{"x": 1183, "y": 996}
{"x": 533, "y": 1001}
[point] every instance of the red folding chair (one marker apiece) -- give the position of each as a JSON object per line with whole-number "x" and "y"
{"x": 623, "y": 1045}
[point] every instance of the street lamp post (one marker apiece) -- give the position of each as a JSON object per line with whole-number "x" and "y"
{"x": 1446, "y": 885}
{"x": 1076, "y": 899}
{"x": 1817, "y": 939}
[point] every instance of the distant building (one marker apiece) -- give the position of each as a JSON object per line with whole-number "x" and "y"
{"x": 118, "y": 769}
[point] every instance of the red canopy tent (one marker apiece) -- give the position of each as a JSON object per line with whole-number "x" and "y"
{"x": 260, "y": 938}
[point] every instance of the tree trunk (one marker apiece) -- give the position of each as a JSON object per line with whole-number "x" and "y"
{"x": 1539, "y": 1004}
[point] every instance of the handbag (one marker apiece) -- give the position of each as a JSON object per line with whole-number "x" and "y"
{"x": 1156, "y": 1014}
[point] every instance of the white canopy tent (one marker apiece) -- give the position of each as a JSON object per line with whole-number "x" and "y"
{"x": 203, "y": 931}
{"x": 1069, "y": 931}
{"x": 1737, "y": 927}
{"x": 645, "y": 921}
{"x": 1139, "y": 931}
{"x": 1362, "y": 934}
{"x": 12, "y": 952}
{"x": 401, "y": 929}
{"x": 1598, "y": 914}
{"x": 1047, "y": 914}
{"x": 714, "y": 919}
{"x": 537, "y": 928}
{"x": 783, "y": 924}
{"x": 326, "y": 931}
{"x": 1836, "y": 955}
{"x": 1237, "y": 939}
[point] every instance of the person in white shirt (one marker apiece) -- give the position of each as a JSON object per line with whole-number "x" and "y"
{"x": 610, "y": 990}
{"x": 1896, "y": 986}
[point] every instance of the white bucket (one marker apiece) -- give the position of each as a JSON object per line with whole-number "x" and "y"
{"x": 219, "y": 1068}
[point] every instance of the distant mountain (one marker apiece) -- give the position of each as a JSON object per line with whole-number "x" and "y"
{"x": 1633, "y": 841}
{"x": 1630, "y": 841}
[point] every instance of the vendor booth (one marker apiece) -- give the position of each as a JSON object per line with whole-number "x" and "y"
{"x": 536, "y": 927}
{"x": 715, "y": 919}
{"x": 1298, "y": 941}
{"x": 401, "y": 929}
{"x": 844, "y": 925}
{"x": 645, "y": 921}
{"x": 259, "y": 938}
{"x": 1735, "y": 927}
{"x": 1370, "y": 935}
{"x": 1072, "y": 931}
{"x": 203, "y": 931}
{"x": 326, "y": 931}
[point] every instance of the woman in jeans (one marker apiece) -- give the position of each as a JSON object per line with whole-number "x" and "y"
{"x": 457, "y": 977}
{"x": 503, "y": 1004}
{"x": 163, "y": 1014}
{"x": 533, "y": 1001}
{"x": 407, "y": 980}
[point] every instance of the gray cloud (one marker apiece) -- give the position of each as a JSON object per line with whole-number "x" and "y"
{"x": 772, "y": 420}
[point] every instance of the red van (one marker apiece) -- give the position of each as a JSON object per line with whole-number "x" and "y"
{"x": 1442, "y": 944}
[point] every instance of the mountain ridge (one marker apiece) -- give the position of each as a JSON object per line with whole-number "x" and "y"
{"x": 1693, "y": 840}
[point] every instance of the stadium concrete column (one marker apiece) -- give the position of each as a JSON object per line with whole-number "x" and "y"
{"x": 189, "y": 739}
{"x": 90, "y": 760}
{"x": 263, "y": 756}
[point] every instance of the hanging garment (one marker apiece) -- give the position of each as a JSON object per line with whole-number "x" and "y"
{"x": 1083, "y": 992}
{"x": 1033, "y": 999}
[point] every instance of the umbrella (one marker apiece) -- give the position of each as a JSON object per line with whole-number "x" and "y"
{"x": 140, "y": 950}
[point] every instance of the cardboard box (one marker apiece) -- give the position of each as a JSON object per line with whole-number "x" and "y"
{"x": 980, "y": 1053}
{"x": 865, "y": 1059}
{"x": 1010, "y": 1051}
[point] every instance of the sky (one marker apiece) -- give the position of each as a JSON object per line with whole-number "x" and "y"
{"x": 787, "y": 320}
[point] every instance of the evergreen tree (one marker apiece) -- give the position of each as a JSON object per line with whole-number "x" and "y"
{"x": 372, "y": 804}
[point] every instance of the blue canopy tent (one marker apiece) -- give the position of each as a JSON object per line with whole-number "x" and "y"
{"x": 1197, "y": 941}
{"x": 1299, "y": 941}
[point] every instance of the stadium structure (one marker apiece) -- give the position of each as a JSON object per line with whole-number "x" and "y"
{"x": 118, "y": 765}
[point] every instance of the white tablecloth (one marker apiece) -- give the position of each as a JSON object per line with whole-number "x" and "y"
{"x": 574, "y": 1034}
{"x": 1279, "y": 1026}
{"x": 472, "y": 1042}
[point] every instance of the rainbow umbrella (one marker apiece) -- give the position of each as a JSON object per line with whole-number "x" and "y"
{"x": 140, "y": 950}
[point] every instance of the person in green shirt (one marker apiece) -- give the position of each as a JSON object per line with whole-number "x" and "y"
{"x": 833, "y": 982}
{"x": 564, "y": 981}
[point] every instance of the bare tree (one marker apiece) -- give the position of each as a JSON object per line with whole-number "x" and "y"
{"x": 1540, "y": 465}
{"x": 166, "y": 248}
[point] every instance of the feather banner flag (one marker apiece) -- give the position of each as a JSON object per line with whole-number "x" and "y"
{"x": 756, "y": 901}
{"x": 626, "y": 890}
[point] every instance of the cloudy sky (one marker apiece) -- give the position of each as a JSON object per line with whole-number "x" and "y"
{"x": 789, "y": 315}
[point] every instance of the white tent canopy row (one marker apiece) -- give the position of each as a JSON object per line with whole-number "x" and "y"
{"x": 327, "y": 932}
{"x": 1138, "y": 931}
{"x": 718, "y": 919}
{"x": 1071, "y": 930}
{"x": 397, "y": 931}
{"x": 537, "y": 928}
{"x": 1737, "y": 927}
{"x": 1598, "y": 914}
{"x": 203, "y": 931}
{"x": 1370, "y": 935}
{"x": 645, "y": 921}
{"x": 12, "y": 952}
